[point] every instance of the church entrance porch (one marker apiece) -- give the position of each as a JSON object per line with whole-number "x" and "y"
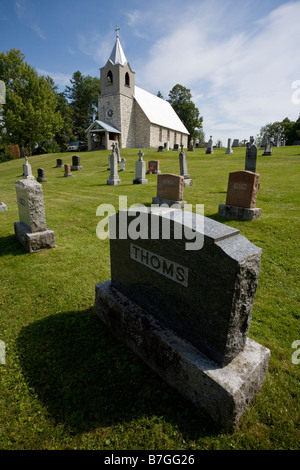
{"x": 101, "y": 136}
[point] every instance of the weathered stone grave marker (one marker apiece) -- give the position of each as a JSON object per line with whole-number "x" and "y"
{"x": 3, "y": 207}
{"x": 187, "y": 181}
{"x": 229, "y": 149}
{"x": 140, "y": 170}
{"x": 187, "y": 313}
{"x": 241, "y": 197}
{"x": 27, "y": 171}
{"x": 59, "y": 163}
{"x": 113, "y": 163}
{"x": 76, "y": 163}
{"x": 251, "y": 156}
{"x": 67, "y": 170}
{"x": 41, "y": 178}
{"x": 210, "y": 148}
{"x": 122, "y": 165}
{"x": 31, "y": 230}
{"x": 169, "y": 190}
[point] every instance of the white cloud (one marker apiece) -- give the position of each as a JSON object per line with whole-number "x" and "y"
{"x": 240, "y": 73}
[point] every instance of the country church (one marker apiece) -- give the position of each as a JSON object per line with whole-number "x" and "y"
{"x": 129, "y": 115}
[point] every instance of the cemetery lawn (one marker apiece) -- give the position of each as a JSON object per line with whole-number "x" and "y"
{"x": 66, "y": 383}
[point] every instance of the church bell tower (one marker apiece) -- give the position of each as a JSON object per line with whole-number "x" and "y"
{"x": 116, "y": 102}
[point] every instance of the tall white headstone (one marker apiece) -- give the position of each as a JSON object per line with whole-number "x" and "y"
{"x": 140, "y": 170}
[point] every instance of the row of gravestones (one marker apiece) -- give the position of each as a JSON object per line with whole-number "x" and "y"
{"x": 185, "y": 312}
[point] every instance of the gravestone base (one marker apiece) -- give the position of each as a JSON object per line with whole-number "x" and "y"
{"x": 3, "y": 207}
{"x": 239, "y": 213}
{"x": 223, "y": 394}
{"x": 269, "y": 154}
{"x": 169, "y": 202}
{"x": 36, "y": 241}
{"x": 59, "y": 166}
{"x": 113, "y": 182}
{"x": 41, "y": 180}
{"x": 140, "y": 181}
{"x": 76, "y": 167}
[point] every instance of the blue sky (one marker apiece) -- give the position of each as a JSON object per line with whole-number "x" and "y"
{"x": 238, "y": 58}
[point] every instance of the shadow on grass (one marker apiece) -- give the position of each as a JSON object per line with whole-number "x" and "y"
{"x": 11, "y": 246}
{"x": 87, "y": 379}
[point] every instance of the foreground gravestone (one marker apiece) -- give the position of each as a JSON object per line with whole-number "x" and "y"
{"x": 251, "y": 156}
{"x": 153, "y": 167}
{"x": 76, "y": 163}
{"x": 183, "y": 168}
{"x": 31, "y": 230}
{"x": 113, "y": 179}
{"x": 241, "y": 197}
{"x": 169, "y": 190}
{"x": 41, "y": 177}
{"x": 187, "y": 313}
{"x": 59, "y": 163}
{"x": 3, "y": 207}
{"x": 140, "y": 170}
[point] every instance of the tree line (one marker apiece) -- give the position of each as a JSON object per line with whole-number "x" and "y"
{"x": 39, "y": 119}
{"x": 286, "y": 131}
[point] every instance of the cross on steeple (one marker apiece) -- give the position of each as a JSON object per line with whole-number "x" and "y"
{"x": 117, "y": 30}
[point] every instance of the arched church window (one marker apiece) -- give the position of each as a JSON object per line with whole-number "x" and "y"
{"x": 127, "y": 79}
{"x": 160, "y": 134}
{"x": 109, "y": 78}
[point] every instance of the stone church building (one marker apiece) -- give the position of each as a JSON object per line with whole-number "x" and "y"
{"x": 130, "y": 115}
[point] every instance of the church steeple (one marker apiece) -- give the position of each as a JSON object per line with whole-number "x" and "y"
{"x": 117, "y": 55}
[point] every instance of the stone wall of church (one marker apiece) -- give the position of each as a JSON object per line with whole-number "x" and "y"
{"x": 161, "y": 135}
{"x": 128, "y": 119}
{"x": 142, "y": 128}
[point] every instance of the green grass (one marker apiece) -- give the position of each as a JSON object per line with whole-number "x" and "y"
{"x": 67, "y": 383}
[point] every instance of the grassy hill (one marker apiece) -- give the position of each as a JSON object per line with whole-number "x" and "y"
{"x": 66, "y": 382}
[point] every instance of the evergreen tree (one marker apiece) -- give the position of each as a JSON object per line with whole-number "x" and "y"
{"x": 83, "y": 98}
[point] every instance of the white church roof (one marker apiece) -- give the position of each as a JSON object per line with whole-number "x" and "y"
{"x": 159, "y": 111}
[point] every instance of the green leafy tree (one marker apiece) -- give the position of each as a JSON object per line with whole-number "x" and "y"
{"x": 181, "y": 100}
{"x": 29, "y": 115}
{"x": 83, "y": 98}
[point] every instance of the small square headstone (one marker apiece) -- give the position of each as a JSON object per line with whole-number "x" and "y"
{"x": 76, "y": 163}
{"x": 169, "y": 190}
{"x": 41, "y": 178}
{"x": 67, "y": 170}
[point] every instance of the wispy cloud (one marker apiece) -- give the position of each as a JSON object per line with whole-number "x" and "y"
{"x": 60, "y": 79}
{"x": 240, "y": 73}
{"x": 26, "y": 14}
